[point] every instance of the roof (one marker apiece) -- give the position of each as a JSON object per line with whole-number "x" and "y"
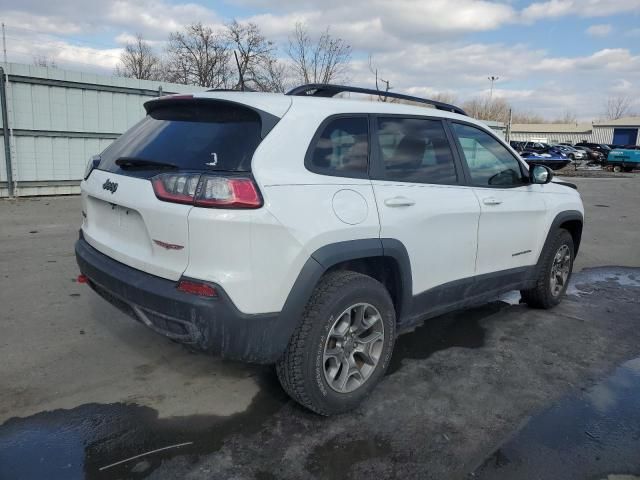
{"x": 620, "y": 122}
{"x": 552, "y": 127}
{"x": 278, "y": 104}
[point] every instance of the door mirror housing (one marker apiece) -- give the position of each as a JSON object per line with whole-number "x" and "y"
{"x": 540, "y": 174}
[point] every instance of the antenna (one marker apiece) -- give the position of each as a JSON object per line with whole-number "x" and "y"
{"x": 4, "y": 44}
{"x": 239, "y": 71}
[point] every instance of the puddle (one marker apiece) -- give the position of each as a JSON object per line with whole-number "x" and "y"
{"x": 336, "y": 457}
{"x": 457, "y": 329}
{"x": 77, "y": 443}
{"x": 622, "y": 276}
{"x": 587, "y": 435}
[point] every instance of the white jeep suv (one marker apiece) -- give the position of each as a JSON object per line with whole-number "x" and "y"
{"x": 309, "y": 231}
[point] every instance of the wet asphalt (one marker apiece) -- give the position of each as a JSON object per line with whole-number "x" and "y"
{"x": 496, "y": 391}
{"x": 588, "y": 433}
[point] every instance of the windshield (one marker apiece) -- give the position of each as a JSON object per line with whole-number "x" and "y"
{"x": 199, "y": 136}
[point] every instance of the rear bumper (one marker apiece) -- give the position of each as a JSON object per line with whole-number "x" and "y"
{"x": 211, "y": 324}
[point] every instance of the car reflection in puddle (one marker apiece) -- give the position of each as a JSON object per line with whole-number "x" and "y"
{"x": 589, "y": 435}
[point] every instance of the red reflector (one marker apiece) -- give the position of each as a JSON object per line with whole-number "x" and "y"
{"x": 197, "y": 288}
{"x": 82, "y": 279}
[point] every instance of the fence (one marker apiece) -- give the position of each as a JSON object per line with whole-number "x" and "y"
{"x": 54, "y": 120}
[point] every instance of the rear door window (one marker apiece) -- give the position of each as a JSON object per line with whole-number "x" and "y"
{"x": 415, "y": 150}
{"x": 201, "y": 136}
{"x": 341, "y": 148}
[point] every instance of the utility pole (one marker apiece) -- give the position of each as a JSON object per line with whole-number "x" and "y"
{"x": 4, "y": 45}
{"x": 492, "y": 79}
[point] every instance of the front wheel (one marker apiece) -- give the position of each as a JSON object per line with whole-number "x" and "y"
{"x": 617, "y": 168}
{"x": 343, "y": 345}
{"x": 553, "y": 273}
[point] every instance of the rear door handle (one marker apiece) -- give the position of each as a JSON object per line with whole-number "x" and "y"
{"x": 399, "y": 202}
{"x": 491, "y": 201}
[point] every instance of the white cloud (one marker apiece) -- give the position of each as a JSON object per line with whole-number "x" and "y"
{"x": 63, "y": 53}
{"x": 601, "y": 30}
{"x": 549, "y": 9}
{"x": 584, "y": 8}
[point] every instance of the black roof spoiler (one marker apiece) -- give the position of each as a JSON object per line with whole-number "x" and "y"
{"x": 330, "y": 90}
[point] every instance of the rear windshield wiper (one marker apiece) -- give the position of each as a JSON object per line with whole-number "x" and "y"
{"x": 132, "y": 162}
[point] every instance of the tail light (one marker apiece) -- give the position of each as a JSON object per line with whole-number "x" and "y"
{"x": 197, "y": 288}
{"x": 202, "y": 190}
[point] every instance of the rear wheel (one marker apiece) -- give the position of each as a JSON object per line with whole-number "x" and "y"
{"x": 553, "y": 274}
{"x": 617, "y": 168}
{"x": 343, "y": 345}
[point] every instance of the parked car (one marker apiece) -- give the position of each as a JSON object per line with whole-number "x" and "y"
{"x": 535, "y": 147}
{"x": 624, "y": 159}
{"x": 598, "y": 147}
{"x": 552, "y": 157}
{"x": 572, "y": 153}
{"x": 592, "y": 155}
{"x": 517, "y": 146}
{"x": 308, "y": 231}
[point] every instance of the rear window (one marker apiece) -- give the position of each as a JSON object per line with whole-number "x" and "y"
{"x": 216, "y": 136}
{"x": 341, "y": 148}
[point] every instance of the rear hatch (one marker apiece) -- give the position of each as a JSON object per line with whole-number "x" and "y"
{"x": 179, "y": 141}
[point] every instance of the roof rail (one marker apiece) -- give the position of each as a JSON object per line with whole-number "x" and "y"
{"x": 330, "y": 90}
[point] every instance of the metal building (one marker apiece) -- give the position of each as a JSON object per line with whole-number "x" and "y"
{"x": 54, "y": 120}
{"x": 624, "y": 131}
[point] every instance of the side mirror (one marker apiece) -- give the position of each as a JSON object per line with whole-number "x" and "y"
{"x": 540, "y": 174}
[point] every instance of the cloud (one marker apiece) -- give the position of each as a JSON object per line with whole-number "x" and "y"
{"x": 64, "y": 54}
{"x": 420, "y": 46}
{"x": 601, "y": 30}
{"x": 550, "y": 9}
{"x": 374, "y": 23}
{"x": 583, "y": 8}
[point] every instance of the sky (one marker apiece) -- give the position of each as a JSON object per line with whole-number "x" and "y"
{"x": 550, "y": 56}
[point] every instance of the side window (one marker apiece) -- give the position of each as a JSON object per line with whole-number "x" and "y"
{"x": 490, "y": 163}
{"x": 415, "y": 150}
{"x": 342, "y": 149}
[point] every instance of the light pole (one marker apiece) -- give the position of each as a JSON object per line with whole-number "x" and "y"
{"x": 492, "y": 79}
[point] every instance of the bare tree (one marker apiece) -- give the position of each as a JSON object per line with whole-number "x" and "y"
{"x": 617, "y": 107}
{"x": 567, "y": 117}
{"x": 138, "y": 60}
{"x": 44, "y": 61}
{"x": 257, "y": 63}
{"x": 380, "y": 81}
{"x": 486, "y": 108}
{"x": 445, "y": 97}
{"x": 198, "y": 56}
{"x": 526, "y": 117}
{"x": 321, "y": 61}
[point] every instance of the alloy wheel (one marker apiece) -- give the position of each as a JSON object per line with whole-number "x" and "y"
{"x": 353, "y": 347}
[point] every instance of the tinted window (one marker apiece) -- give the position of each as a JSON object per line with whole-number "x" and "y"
{"x": 415, "y": 150}
{"x": 342, "y": 148}
{"x": 193, "y": 136}
{"x": 490, "y": 163}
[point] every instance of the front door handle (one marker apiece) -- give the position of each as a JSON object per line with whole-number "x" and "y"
{"x": 491, "y": 201}
{"x": 399, "y": 202}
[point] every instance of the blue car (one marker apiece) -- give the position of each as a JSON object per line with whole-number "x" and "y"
{"x": 552, "y": 157}
{"x": 624, "y": 159}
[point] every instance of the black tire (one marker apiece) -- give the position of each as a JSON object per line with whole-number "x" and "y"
{"x": 301, "y": 369}
{"x": 541, "y": 295}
